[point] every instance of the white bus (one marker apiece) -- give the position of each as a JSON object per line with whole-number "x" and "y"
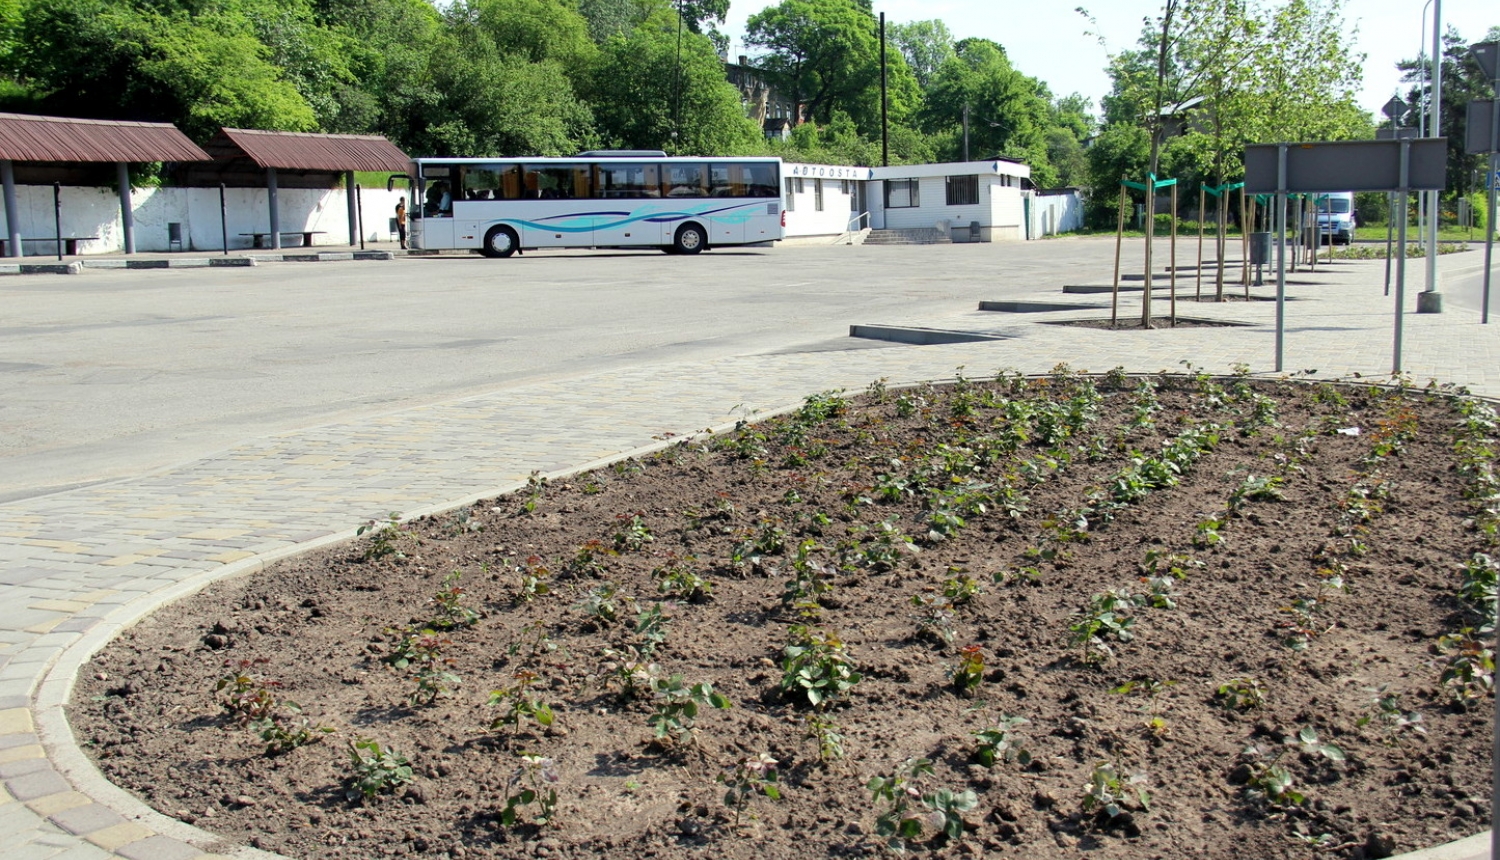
{"x": 632, "y": 199}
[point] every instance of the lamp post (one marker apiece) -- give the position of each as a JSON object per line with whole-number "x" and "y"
{"x": 1430, "y": 301}
{"x": 1423, "y": 88}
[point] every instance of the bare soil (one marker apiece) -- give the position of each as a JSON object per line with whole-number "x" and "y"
{"x": 1290, "y": 557}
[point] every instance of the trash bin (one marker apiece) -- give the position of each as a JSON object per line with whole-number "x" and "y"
{"x": 974, "y": 231}
{"x": 174, "y": 235}
{"x": 1260, "y": 249}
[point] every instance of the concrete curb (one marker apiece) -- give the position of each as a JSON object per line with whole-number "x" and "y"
{"x": 40, "y": 268}
{"x": 77, "y": 266}
{"x": 54, "y": 691}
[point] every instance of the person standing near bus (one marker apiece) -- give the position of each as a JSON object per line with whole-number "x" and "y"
{"x": 401, "y": 220}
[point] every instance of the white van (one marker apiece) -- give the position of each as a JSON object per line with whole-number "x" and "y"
{"x": 1336, "y": 217}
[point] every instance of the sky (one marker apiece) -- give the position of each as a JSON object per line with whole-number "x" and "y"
{"x": 1047, "y": 39}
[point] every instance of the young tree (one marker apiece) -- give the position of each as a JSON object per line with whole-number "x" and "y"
{"x": 826, "y": 55}
{"x": 1009, "y": 113}
{"x": 643, "y": 99}
{"x": 926, "y": 45}
{"x": 1238, "y": 72}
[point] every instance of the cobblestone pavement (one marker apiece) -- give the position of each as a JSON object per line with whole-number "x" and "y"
{"x": 77, "y": 566}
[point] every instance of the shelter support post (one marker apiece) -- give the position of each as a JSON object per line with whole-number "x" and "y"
{"x": 351, "y": 193}
{"x": 57, "y": 217}
{"x": 12, "y": 209}
{"x": 274, "y": 202}
{"x": 127, "y": 210}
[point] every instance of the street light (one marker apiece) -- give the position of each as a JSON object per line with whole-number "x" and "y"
{"x": 1422, "y": 85}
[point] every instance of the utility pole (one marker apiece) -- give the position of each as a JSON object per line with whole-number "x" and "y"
{"x": 885, "y": 127}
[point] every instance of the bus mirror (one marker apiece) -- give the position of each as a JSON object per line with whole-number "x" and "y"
{"x": 390, "y": 181}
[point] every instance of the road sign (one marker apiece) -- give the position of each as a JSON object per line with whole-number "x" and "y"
{"x": 1358, "y": 165}
{"x": 1394, "y": 108}
{"x": 1488, "y": 55}
{"x": 1481, "y": 127}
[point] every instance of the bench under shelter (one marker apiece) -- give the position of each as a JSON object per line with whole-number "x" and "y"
{"x": 250, "y": 158}
{"x": 51, "y": 150}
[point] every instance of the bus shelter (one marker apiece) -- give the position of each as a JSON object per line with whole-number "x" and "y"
{"x": 249, "y": 158}
{"x": 64, "y": 150}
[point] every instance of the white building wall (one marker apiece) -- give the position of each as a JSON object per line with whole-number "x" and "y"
{"x": 1000, "y": 210}
{"x": 1008, "y": 215}
{"x": 96, "y": 212}
{"x": 803, "y": 219}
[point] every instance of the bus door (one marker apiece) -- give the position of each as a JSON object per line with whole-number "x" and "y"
{"x": 555, "y": 210}
{"x": 728, "y": 186}
{"x": 436, "y": 210}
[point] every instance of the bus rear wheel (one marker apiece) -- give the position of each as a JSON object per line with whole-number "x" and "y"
{"x": 500, "y": 242}
{"x": 690, "y": 239}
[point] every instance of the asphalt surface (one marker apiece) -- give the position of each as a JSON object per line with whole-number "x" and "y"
{"x": 106, "y": 373}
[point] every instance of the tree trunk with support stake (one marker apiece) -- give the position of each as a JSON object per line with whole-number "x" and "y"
{"x": 1114, "y": 296}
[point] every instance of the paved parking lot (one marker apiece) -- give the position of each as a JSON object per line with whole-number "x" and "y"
{"x": 214, "y": 421}
{"x": 107, "y": 372}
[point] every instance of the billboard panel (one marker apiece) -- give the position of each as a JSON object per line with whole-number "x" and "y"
{"x": 1356, "y": 165}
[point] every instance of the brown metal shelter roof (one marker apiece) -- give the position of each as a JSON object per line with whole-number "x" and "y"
{"x": 285, "y": 150}
{"x": 27, "y": 137}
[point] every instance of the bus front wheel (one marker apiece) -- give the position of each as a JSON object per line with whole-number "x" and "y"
{"x": 690, "y": 239}
{"x": 500, "y": 242}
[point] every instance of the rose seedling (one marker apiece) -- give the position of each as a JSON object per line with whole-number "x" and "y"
{"x": 748, "y": 778}
{"x": 1240, "y": 694}
{"x": 679, "y": 577}
{"x": 817, "y": 666}
{"x": 386, "y": 538}
{"x": 968, "y": 673}
{"x": 908, "y": 810}
{"x": 677, "y": 706}
{"x": 1110, "y": 793}
{"x": 518, "y": 704}
{"x": 1001, "y": 744}
{"x": 1387, "y": 714}
{"x": 531, "y": 783}
{"x": 1468, "y": 666}
{"x": 451, "y": 612}
{"x": 632, "y": 534}
{"x": 289, "y": 730}
{"x": 377, "y": 770}
{"x": 934, "y": 618}
{"x": 823, "y": 731}
{"x": 243, "y": 696}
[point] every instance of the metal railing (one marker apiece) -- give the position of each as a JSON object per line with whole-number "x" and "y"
{"x": 862, "y": 219}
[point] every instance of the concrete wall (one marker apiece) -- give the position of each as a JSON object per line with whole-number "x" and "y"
{"x": 1052, "y": 214}
{"x": 96, "y": 212}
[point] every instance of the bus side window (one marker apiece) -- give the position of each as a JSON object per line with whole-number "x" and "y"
{"x": 762, "y": 180}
